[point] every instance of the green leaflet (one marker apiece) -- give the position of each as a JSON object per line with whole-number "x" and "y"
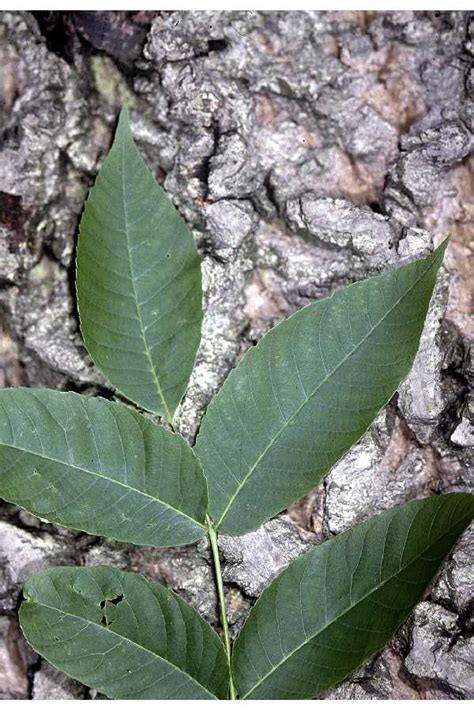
{"x": 308, "y": 391}
{"x": 342, "y": 601}
{"x": 99, "y": 467}
{"x": 138, "y": 282}
{"x": 123, "y": 635}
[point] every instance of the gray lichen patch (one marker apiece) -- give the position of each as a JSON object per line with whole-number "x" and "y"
{"x": 441, "y": 650}
{"x": 252, "y": 561}
{"x": 22, "y": 554}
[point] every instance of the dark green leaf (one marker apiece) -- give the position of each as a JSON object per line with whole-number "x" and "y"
{"x": 138, "y": 282}
{"x": 342, "y": 601}
{"x": 123, "y": 635}
{"x": 308, "y": 391}
{"x": 99, "y": 467}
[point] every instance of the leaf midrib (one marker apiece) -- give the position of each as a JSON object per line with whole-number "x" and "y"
{"x": 169, "y": 414}
{"x": 101, "y": 475}
{"x": 346, "y": 610}
{"x": 127, "y": 639}
{"x": 311, "y": 395}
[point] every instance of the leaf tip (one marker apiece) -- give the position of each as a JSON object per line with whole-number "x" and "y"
{"x": 124, "y": 112}
{"x": 437, "y": 256}
{"x": 123, "y": 126}
{"x": 444, "y": 244}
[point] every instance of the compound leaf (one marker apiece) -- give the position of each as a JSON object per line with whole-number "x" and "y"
{"x": 99, "y": 467}
{"x": 308, "y": 391}
{"x": 342, "y": 601}
{"x": 123, "y": 635}
{"x": 138, "y": 282}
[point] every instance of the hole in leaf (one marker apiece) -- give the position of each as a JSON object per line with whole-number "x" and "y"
{"x": 113, "y": 600}
{"x": 103, "y": 606}
{"x": 116, "y": 600}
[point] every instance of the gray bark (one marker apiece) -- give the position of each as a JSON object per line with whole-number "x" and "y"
{"x": 306, "y": 150}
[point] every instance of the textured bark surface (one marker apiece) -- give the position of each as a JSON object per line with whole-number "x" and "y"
{"x": 306, "y": 150}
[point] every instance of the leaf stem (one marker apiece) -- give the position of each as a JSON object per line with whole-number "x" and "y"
{"x": 222, "y": 606}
